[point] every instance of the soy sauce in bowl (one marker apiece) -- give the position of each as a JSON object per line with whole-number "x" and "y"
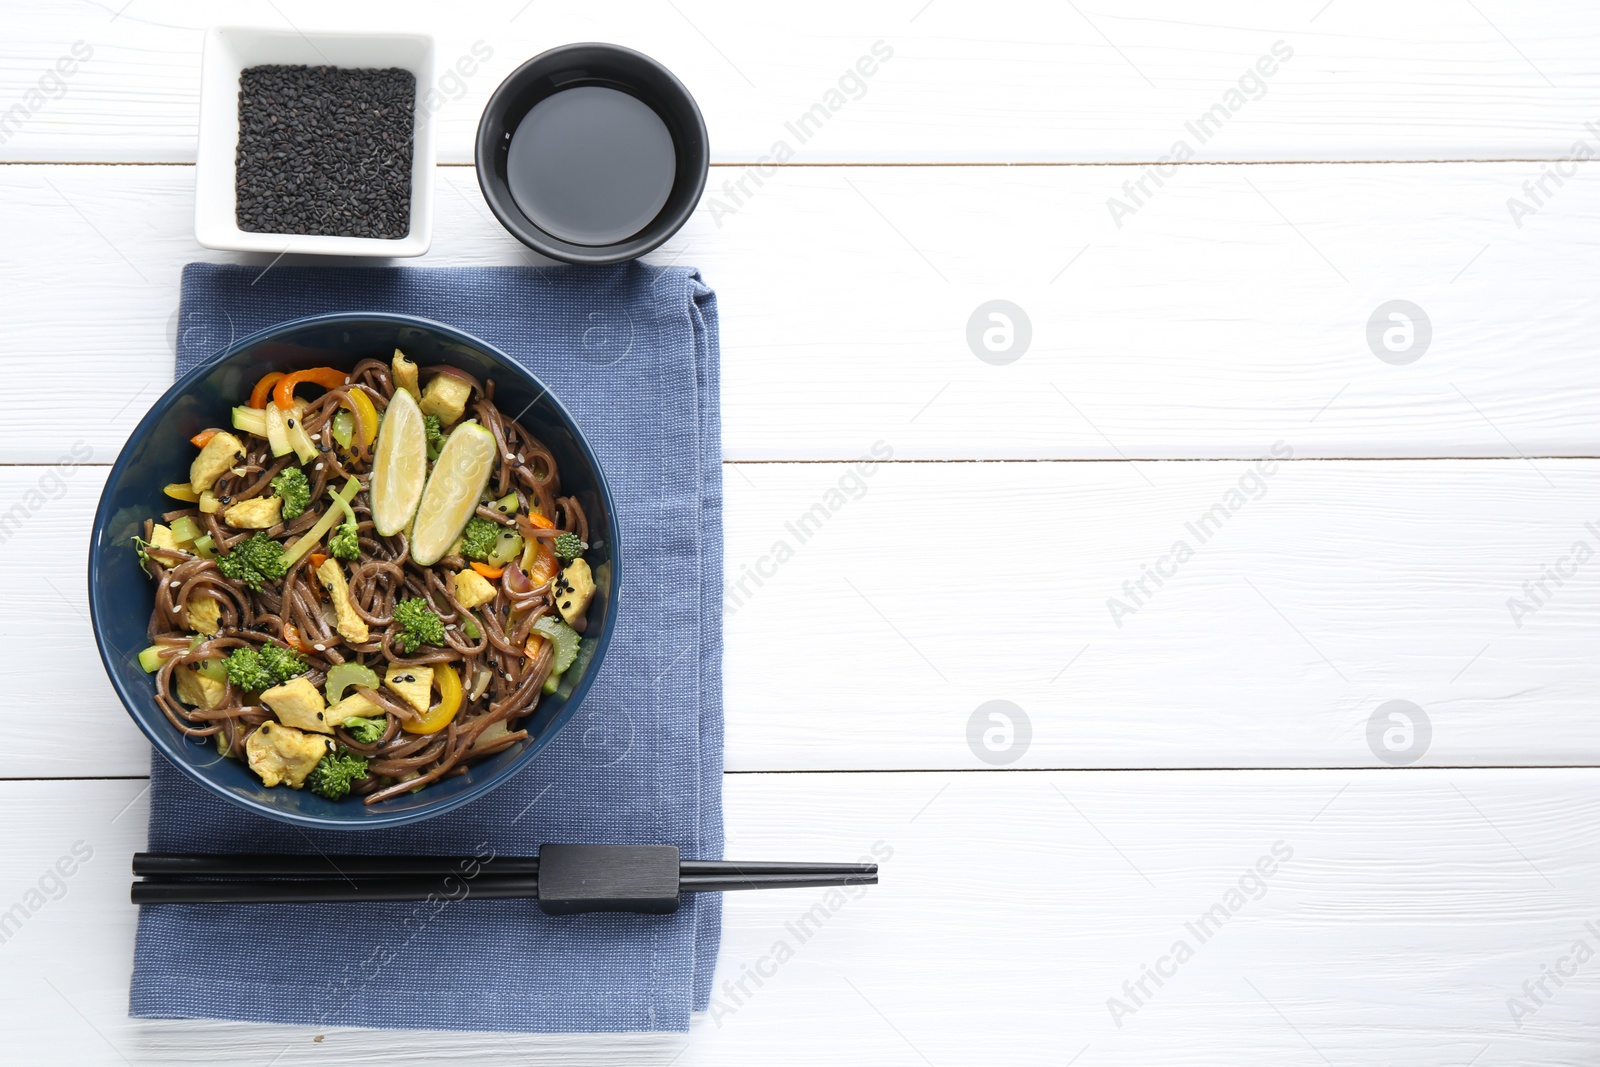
{"x": 592, "y": 154}
{"x": 591, "y": 165}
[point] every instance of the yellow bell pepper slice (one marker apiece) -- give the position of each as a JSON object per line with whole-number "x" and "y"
{"x": 439, "y": 716}
{"x": 366, "y": 416}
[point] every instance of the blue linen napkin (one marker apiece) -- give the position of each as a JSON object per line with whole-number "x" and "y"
{"x": 632, "y": 351}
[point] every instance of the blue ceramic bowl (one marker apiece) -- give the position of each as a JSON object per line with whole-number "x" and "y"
{"x": 121, "y": 594}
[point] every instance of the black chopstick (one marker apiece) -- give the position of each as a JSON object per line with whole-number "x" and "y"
{"x": 151, "y": 864}
{"x": 575, "y": 878}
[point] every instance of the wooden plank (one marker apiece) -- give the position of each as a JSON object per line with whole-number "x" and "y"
{"x": 1008, "y": 82}
{"x": 1209, "y": 325}
{"x": 1398, "y": 915}
{"x": 874, "y": 612}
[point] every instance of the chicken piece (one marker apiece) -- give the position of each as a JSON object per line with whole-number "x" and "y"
{"x": 215, "y": 459}
{"x": 351, "y": 626}
{"x": 574, "y": 588}
{"x": 414, "y": 685}
{"x": 353, "y": 706}
{"x": 204, "y": 614}
{"x": 298, "y": 703}
{"x": 445, "y": 396}
{"x": 279, "y": 753}
{"x": 405, "y": 374}
{"x": 261, "y": 513}
{"x": 195, "y": 689}
{"x": 473, "y": 589}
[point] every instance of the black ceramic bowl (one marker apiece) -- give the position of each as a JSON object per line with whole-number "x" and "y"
{"x": 121, "y": 595}
{"x": 607, "y": 66}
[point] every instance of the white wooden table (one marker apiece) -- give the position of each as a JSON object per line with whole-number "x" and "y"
{"x": 1221, "y": 714}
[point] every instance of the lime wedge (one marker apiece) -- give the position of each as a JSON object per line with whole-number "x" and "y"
{"x": 400, "y": 465}
{"x": 454, "y": 489}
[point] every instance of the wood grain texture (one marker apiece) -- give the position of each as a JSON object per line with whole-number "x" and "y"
{"x": 1410, "y": 908}
{"x": 1008, "y": 81}
{"x": 873, "y": 609}
{"x": 1210, "y": 325}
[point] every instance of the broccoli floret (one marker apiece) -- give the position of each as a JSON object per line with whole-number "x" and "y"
{"x": 569, "y": 546}
{"x": 343, "y": 544}
{"x": 256, "y": 559}
{"x": 261, "y": 668}
{"x": 247, "y": 671}
{"x": 478, "y": 539}
{"x": 418, "y": 625}
{"x": 284, "y": 663}
{"x": 367, "y": 731}
{"x": 430, "y": 426}
{"x": 293, "y": 489}
{"x": 332, "y": 775}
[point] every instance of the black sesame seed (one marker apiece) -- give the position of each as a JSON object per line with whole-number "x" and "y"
{"x": 325, "y": 150}
{"x": 319, "y": 714}
{"x": 291, "y": 424}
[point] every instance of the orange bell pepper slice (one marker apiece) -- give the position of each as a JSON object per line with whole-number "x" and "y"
{"x": 263, "y": 389}
{"x": 199, "y": 440}
{"x": 487, "y": 571}
{"x": 327, "y": 377}
{"x": 539, "y": 562}
{"x": 439, "y": 716}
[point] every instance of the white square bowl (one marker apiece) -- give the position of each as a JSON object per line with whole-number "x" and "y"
{"x": 229, "y": 50}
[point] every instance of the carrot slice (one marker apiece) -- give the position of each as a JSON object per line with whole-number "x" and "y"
{"x": 488, "y": 571}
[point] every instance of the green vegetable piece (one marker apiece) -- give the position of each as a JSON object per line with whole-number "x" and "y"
{"x": 469, "y": 626}
{"x": 294, "y": 490}
{"x": 551, "y": 684}
{"x": 139, "y": 546}
{"x": 332, "y": 775}
{"x": 569, "y": 546}
{"x": 256, "y": 559}
{"x": 430, "y": 426}
{"x": 212, "y": 668}
{"x": 342, "y": 676}
{"x": 205, "y": 548}
{"x": 284, "y": 663}
{"x": 565, "y": 639}
{"x": 367, "y": 731}
{"x": 246, "y": 670}
{"x": 151, "y": 658}
{"x": 419, "y": 625}
{"x": 257, "y": 669}
{"x": 185, "y": 530}
{"x": 344, "y": 428}
{"x": 479, "y": 539}
{"x": 508, "y": 504}
{"x": 345, "y": 542}
{"x": 507, "y": 547}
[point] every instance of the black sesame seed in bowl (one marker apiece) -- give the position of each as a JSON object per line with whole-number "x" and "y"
{"x": 316, "y": 143}
{"x": 325, "y": 150}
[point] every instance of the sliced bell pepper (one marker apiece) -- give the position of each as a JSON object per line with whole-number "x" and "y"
{"x": 361, "y": 407}
{"x": 487, "y": 571}
{"x": 199, "y": 440}
{"x": 263, "y": 389}
{"x": 439, "y": 716}
{"x": 327, "y": 377}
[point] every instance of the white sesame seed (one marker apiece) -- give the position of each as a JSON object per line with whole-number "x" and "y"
{"x": 316, "y": 437}
{"x": 519, "y": 457}
{"x": 510, "y": 457}
{"x": 174, "y": 585}
{"x": 320, "y": 647}
{"x": 317, "y": 467}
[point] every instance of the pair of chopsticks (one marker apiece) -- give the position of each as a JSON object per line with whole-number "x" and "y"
{"x": 564, "y": 879}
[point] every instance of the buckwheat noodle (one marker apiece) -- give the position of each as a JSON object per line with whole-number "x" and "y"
{"x": 501, "y": 683}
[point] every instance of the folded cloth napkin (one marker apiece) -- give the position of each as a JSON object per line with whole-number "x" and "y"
{"x": 632, "y": 351}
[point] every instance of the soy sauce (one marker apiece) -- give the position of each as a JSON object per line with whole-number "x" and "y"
{"x": 591, "y": 165}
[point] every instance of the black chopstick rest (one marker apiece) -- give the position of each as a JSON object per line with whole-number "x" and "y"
{"x": 574, "y": 879}
{"x": 564, "y": 879}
